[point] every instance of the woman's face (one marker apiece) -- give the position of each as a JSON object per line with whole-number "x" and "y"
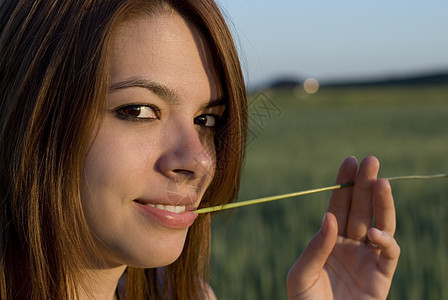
{"x": 154, "y": 156}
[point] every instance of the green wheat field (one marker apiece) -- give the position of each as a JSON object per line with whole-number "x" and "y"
{"x": 296, "y": 142}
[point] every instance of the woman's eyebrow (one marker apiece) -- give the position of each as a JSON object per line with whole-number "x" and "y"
{"x": 161, "y": 90}
{"x": 215, "y": 102}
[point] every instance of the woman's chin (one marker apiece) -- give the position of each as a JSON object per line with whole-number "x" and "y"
{"x": 162, "y": 255}
{"x": 161, "y": 262}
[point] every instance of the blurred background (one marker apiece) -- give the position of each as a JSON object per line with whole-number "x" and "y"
{"x": 329, "y": 79}
{"x": 346, "y": 40}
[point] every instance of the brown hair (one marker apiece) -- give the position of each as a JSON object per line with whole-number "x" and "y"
{"x": 53, "y": 84}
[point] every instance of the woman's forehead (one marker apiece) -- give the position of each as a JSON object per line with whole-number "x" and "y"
{"x": 167, "y": 49}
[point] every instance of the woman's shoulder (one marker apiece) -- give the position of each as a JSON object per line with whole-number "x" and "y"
{"x": 209, "y": 293}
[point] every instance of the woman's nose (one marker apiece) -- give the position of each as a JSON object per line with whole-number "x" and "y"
{"x": 187, "y": 155}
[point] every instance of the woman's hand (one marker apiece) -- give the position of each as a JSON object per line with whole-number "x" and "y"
{"x": 348, "y": 258}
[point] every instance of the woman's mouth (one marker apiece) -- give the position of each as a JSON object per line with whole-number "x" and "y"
{"x": 171, "y": 208}
{"x": 167, "y": 215}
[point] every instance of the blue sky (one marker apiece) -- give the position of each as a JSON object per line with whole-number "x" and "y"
{"x": 338, "y": 40}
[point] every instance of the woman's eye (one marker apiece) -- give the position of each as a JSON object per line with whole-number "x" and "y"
{"x": 210, "y": 121}
{"x": 137, "y": 112}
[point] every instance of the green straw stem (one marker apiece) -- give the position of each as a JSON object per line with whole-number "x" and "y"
{"x": 307, "y": 192}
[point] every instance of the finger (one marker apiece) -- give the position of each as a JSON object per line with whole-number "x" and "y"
{"x": 385, "y": 219}
{"x": 340, "y": 199}
{"x": 390, "y": 251}
{"x": 361, "y": 210}
{"x": 307, "y": 268}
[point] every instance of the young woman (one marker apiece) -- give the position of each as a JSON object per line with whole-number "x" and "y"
{"x": 118, "y": 119}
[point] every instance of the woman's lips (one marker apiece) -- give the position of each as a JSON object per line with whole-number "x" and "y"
{"x": 171, "y": 208}
{"x": 170, "y": 216}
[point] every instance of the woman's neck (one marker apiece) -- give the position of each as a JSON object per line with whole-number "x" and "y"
{"x": 101, "y": 284}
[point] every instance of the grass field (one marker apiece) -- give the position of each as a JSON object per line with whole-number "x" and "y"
{"x": 297, "y": 142}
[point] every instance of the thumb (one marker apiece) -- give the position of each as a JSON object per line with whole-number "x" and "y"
{"x": 307, "y": 268}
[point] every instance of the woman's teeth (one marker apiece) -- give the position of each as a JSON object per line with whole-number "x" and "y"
{"x": 170, "y": 208}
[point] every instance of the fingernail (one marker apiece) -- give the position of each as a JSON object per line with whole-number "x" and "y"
{"x": 323, "y": 226}
{"x": 379, "y": 232}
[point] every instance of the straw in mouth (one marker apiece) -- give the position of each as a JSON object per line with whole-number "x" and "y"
{"x": 307, "y": 192}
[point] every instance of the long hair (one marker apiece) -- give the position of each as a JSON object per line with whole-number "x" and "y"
{"x": 53, "y": 86}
